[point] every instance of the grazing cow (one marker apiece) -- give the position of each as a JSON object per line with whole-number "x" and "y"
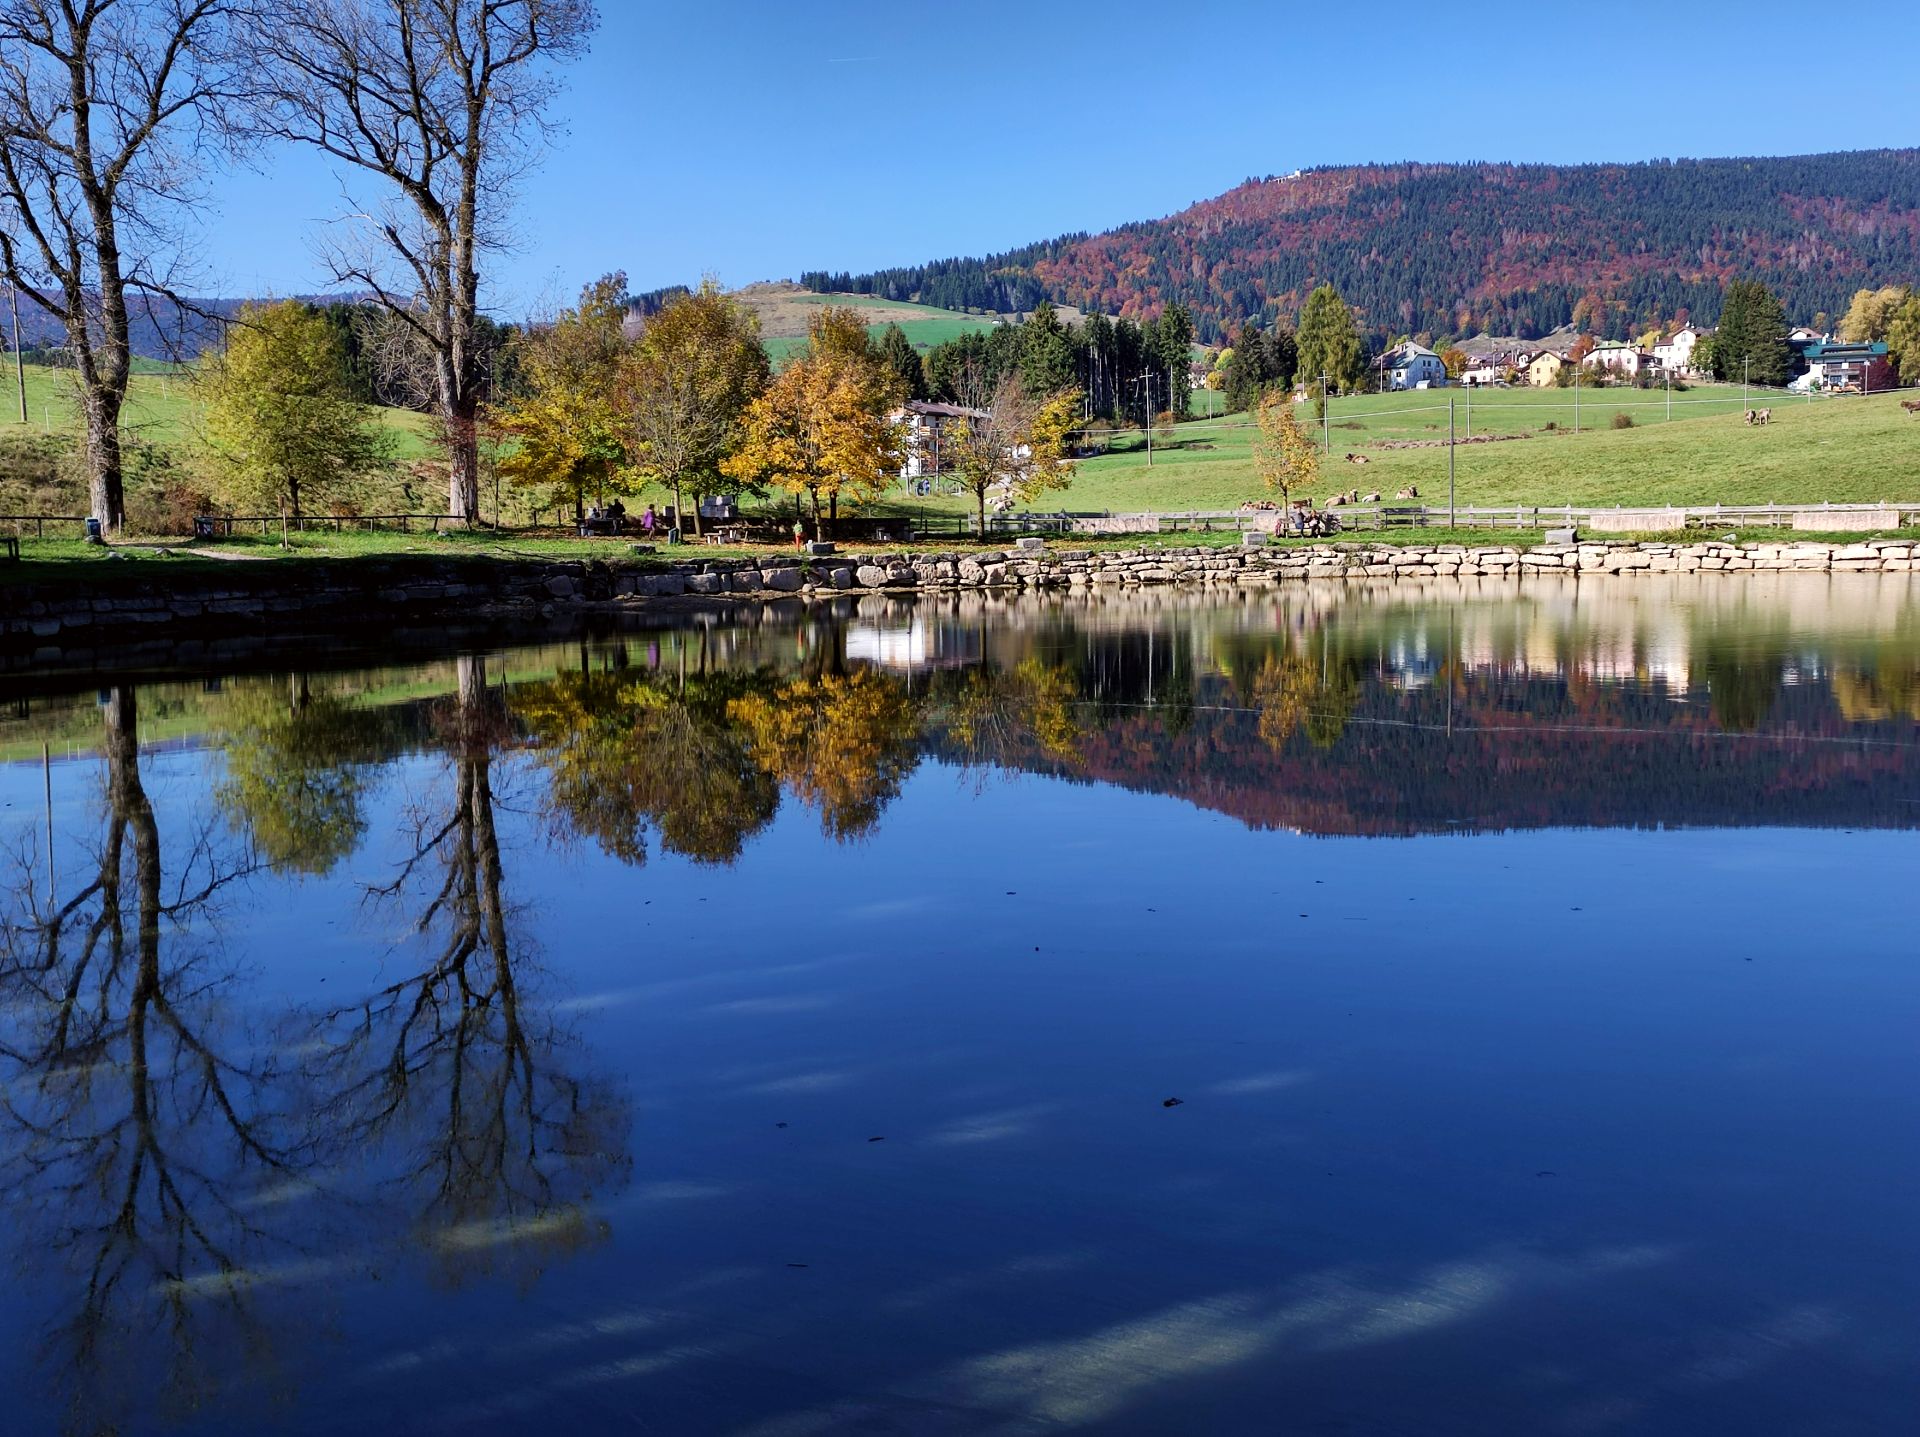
{"x": 1763, "y": 416}
{"x": 1912, "y": 406}
{"x": 1358, "y": 459}
{"x": 1410, "y": 492}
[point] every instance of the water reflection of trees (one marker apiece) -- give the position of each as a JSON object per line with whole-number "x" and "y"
{"x": 297, "y": 770}
{"x": 140, "y": 1114}
{"x": 453, "y": 1082}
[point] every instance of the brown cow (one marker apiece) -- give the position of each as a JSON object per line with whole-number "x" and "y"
{"x": 1912, "y": 406}
{"x": 1410, "y": 492}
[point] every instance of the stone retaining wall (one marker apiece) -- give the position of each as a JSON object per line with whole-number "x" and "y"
{"x": 379, "y": 592}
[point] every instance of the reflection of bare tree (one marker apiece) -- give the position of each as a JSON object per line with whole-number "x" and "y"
{"x": 451, "y": 1077}
{"x": 135, "y": 1138}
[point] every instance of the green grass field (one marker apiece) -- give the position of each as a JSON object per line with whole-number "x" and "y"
{"x": 159, "y": 408}
{"x": 1848, "y": 450}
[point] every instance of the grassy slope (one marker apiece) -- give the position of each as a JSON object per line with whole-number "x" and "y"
{"x": 159, "y": 409}
{"x": 1846, "y": 450}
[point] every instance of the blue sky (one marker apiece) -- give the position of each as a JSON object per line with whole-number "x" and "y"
{"x": 756, "y": 140}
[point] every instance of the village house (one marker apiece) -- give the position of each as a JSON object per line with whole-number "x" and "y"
{"x": 1482, "y": 373}
{"x": 1674, "y": 354}
{"x": 1623, "y": 361}
{"x": 926, "y": 422}
{"x": 1543, "y": 371}
{"x": 1411, "y": 366}
{"x": 1836, "y": 365}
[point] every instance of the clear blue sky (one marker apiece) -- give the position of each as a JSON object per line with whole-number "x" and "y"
{"x": 757, "y": 140}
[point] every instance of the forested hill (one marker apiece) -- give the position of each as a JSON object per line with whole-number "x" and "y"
{"x": 1458, "y": 249}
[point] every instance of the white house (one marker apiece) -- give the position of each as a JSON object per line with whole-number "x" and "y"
{"x": 1481, "y": 374}
{"x": 1411, "y": 366}
{"x": 1675, "y": 353}
{"x": 925, "y": 425}
{"x": 1617, "y": 358}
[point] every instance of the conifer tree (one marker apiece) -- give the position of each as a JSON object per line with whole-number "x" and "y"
{"x": 904, "y": 360}
{"x": 1751, "y": 343}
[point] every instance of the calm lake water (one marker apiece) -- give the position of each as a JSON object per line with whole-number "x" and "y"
{"x": 1428, "y": 1011}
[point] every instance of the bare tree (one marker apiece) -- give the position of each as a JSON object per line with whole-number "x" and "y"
{"x": 105, "y": 106}
{"x": 1006, "y": 445}
{"x": 445, "y": 101}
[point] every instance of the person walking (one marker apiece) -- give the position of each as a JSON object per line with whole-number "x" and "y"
{"x": 647, "y": 520}
{"x": 799, "y": 534}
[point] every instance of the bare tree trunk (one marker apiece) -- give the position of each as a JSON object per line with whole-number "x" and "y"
{"x": 443, "y": 100}
{"x": 98, "y": 120}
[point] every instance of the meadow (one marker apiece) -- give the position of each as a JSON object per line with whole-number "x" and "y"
{"x": 1846, "y": 449}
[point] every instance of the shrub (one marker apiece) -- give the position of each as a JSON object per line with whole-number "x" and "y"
{"x": 1623, "y": 421}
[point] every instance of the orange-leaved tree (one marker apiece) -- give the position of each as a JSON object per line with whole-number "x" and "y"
{"x": 828, "y": 426}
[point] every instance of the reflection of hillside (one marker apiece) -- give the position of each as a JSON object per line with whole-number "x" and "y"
{"x": 1514, "y": 756}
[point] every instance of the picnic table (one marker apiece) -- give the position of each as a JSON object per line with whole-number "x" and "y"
{"x": 726, "y": 536}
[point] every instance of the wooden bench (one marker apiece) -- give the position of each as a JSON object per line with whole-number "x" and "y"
{"x": 10, "y": 546}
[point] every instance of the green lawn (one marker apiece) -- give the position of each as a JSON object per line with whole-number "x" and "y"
{"x": 1845, "y": 450}
{"x": 159, "y": 408}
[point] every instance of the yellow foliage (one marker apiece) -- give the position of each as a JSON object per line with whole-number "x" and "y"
{"x": 1284, "y": 454}
{"x": 842, "y": 743}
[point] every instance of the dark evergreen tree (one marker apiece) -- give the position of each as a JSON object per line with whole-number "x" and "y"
{"x": 1751, "y": 343}
{"x": 904, "y": 360}
{"x": 1249, "y": 369}
{"x": 1046, "y": 352}
{"x": 1172, "y": 342}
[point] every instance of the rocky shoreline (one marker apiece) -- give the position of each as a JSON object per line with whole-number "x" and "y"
{"x": 380, "y": 592}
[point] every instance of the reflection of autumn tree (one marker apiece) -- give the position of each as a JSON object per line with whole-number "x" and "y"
{"x": 843, "y": 743}
{"x": 1876, "y": 695}
{"x": 998, "y": 714}
{"x": 1295, "y": 691}
{"x": 136, "y": 1137}
{"x": 452, "y": 1075}
{"x": 625, "y": 751}
{"x": 296, "y": 771}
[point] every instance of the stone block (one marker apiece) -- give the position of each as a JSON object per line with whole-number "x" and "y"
{"x": 1845, "y": 521}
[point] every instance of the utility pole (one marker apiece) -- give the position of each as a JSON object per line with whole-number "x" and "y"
{"x": 1450, "y": 450}
{"x": 1576, "y": 398}
{"x": 1147, "y": 380}
{"x": 1746, "y": 368}
{"x": 1669, "y": 393}
{"x": 19, "y": 359}
{"x": 1326, "y": 420}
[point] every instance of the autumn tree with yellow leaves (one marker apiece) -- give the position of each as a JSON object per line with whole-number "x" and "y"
{"x": 684, "y": 387}
{"x": 826, "y": 427}
{"x": 567, "y": 439}
{"x": 1284, "y": 454}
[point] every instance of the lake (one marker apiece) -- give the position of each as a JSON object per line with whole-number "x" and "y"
{"x": 1426, "y": 1009}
